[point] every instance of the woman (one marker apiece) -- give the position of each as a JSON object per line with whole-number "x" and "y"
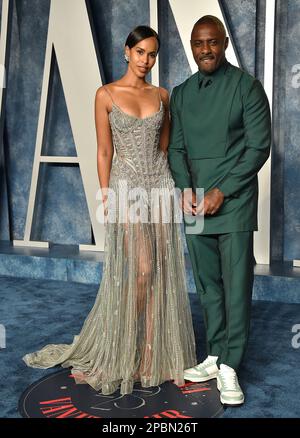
{"x": 140, "y": 328}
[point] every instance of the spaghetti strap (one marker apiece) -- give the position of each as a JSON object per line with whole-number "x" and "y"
{"x": 109, "y": 93}
{"x": 159, "y": 96}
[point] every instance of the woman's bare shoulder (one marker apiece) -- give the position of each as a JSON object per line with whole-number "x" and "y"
{"x": 104, "y": 95}
{"x": 164, "y": 95}
{"x": 101, "y": 92}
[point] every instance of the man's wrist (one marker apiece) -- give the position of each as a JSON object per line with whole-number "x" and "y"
{"x": 220, "y": 191}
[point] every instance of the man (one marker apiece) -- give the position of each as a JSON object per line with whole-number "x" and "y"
{"x": 220, "y": 138}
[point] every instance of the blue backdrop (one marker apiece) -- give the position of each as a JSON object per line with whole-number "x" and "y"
{"x": 61, "y": 214}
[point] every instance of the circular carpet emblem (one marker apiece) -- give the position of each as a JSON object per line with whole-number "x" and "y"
{"x": 58, "y": 396}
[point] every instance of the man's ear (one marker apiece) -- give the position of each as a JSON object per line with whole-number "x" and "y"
{"x": 226, "y": 42}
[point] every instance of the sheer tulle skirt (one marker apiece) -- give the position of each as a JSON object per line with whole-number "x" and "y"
{"x": 140, "y": 327}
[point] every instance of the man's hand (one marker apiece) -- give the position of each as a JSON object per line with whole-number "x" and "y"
{"x": 211, "y": 202}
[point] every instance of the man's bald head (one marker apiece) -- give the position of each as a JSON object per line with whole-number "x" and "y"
{"x": 211, "y": 19}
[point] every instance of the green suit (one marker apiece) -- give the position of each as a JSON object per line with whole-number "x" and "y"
{"x": 220, "y": 137}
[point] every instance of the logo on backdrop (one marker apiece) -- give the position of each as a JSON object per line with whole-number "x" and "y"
{"x": 296, "y": 337}
{"x": 296, "y": 76}
{"x": 2, "y": 336}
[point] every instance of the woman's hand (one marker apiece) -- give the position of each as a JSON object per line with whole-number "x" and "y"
{"x": 188, "y": 202}
{"x": 104, "y": 201}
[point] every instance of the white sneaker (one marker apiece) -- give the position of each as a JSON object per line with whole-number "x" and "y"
{"x": 206, "y": 370}
{"x": 228, "y": 385}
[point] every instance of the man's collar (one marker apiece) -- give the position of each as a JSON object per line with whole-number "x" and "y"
{"x": 216, "y": 74}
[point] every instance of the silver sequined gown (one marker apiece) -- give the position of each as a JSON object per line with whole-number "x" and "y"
{"x": 140, "y": 327}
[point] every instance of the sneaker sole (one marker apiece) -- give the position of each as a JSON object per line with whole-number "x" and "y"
{"x": 232, "y": 403}
{"x": 200, "y": 379}
{"x": 237, "y": 403}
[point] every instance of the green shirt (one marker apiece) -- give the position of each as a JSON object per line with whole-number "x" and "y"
{"x": 221, "y": 137}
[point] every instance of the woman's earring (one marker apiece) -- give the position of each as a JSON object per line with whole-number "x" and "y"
{"x": 126, "y": 58}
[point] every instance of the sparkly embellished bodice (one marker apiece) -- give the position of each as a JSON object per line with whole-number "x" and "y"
{"x": 138, "y": 157}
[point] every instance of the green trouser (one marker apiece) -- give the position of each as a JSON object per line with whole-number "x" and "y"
{"x": 223, "y": 271}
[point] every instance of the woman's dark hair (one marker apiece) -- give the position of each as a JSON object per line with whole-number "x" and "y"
{"x": 141, "y": 33}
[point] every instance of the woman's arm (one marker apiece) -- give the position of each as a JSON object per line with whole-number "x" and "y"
{"x": 105, "y": 149}
{"x": 165, "y": 130}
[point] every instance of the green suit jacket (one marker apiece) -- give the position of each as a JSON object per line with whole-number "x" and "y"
{"x": 221, "y": 137}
